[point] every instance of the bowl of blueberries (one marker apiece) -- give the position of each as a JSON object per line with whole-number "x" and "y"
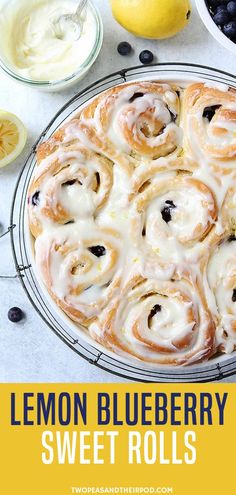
{"x": 219, "y": 17}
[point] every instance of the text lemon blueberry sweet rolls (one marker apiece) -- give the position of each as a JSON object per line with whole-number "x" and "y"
{"x": 132, "y": 206}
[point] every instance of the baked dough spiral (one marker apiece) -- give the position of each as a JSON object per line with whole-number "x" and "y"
{"x": 71, "y": 183}
{"x": 171, "y": 216}
{"x": 133, "y": 209}
{"x": 158, "y": 322}
{"x": 210, "y": 122}
{"x": 81, "y": 270}
{"x": 221, "y": 275}
{"x": 134, "y": 121}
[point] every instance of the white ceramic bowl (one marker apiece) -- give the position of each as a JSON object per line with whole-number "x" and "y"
{"x": 71, "y": 79}
{"x": 212, "y": 27}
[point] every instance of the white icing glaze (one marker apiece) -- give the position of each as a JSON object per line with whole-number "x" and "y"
{"x": 222, "y": 281}
{"x": 142, "y": 125}
{"x": 217, "y": 85}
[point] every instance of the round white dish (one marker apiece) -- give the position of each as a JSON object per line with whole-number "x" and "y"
{"x": 22, "y": 243}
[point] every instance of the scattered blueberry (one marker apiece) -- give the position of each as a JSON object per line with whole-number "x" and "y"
{"x": 15, "y": 314}
{"x": 222, "y": 15}
{"x": 209, "y": 112}
{"x": 230, "y": 30}
{"x": 234, "y": 295}
{"x": 97, "y": 251}
{"x": 35, "y": 198}
{"x": 124, "y": 48}
{"x": 146, "y": 57}
{"x": 231, "y": 7}
{"x": 166, "y": 211}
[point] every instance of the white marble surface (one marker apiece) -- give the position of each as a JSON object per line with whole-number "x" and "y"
{"x": 30, "y": 352}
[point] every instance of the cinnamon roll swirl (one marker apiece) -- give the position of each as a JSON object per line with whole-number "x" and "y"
{"x": 71, "y": 183}
{"x": 210, "y": 123}
{"x": 221, "y": 276}
{"x": 136, "y": 121}
{"x": 80, "y": 266}
{"x": 158, "y": 322}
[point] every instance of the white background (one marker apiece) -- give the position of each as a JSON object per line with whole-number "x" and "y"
{"x": 30, "y": 352}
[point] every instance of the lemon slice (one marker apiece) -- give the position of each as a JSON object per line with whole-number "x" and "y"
{"x": 13, "y": 136}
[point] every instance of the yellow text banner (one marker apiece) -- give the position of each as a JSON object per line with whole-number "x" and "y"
{"x": 60, "y": 439}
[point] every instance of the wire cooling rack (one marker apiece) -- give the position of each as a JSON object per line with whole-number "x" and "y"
{"x": 133, "y": 370}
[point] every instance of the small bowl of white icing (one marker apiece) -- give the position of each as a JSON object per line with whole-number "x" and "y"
{"x": 31, "y": 51}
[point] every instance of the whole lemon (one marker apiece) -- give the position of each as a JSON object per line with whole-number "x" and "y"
{"x": 152, "y": 18}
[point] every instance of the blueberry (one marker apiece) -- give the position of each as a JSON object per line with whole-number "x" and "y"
{"x": 214, "y": 3}
{"x": 166, "y": 211}
{"x": 97, "y": 251}
{"x": 173, "y": 116}
{"x": 230, "y": 30}
{"x": 231, "y": 7}
{"x": 221, "y": 8}
{"x": 69, "y": 182}
{"x": 234, "y": 295}
{"x": 124, "y": 48}
{"x": 146, "y": 57}
{"x": 35, "y": 198}
{"x": 222, "y": 15}
{"x": 156, "y": 309}
{"x": 15, "y": 314}
{"x": 135, "y": 96}
{"x": 209, "y": 112}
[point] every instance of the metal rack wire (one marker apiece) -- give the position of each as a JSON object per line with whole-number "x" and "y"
{"x": 133, "y": 370}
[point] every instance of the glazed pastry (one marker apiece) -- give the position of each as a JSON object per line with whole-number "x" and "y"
{"x": 158, "y": 322}
{"x": 71, "y": 183}
{"x": 134, "y": 122}
{"x": 133, "y": 210}
{"x": 209, "y": 122}
{"x": 81, "y": 266}
{"x": 221, "y": 276}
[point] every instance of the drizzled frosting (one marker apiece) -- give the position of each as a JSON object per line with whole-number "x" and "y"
{"x": 221, "y": 274}
{"x": 133, "y": 209}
